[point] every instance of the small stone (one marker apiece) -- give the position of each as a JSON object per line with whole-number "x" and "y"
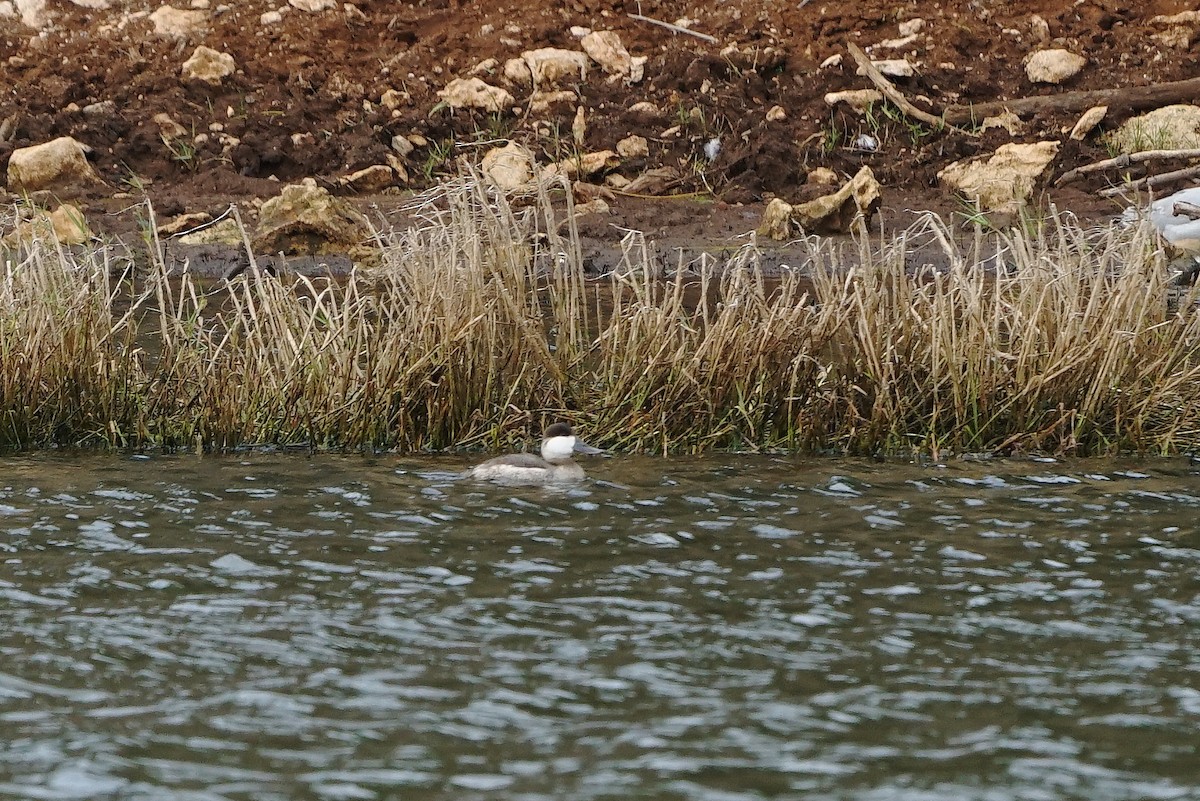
{"x": 313, "y": 6}
{"x": 509, "y": 168}
{"x": 1006, "y": 120}
{"x": 1039, "y": 28}
{"x": 551, "y": 64}
{"x": 485, "y": 67}
{"x": 58, "y": 163}
{"x": 857, "y": 199}
{"x": 401, "y": 145}
{"x": 1087, "y": 122}
{"x": 833, "y": 61}
{"x": 474, "y": 93}
{"x": 184, "y": 222}
{"x": 177, "y": 23}
{"x": 208, "y": 66}
{"x": 517, "y": 73}
{"x": 776, "y": 114}
{"x": 168, "y": 129}
{"x": 65, "y": 225}
{"x": 1005, "y": 180}
{"x": 645, "y": 108}
{"x": 821, "y": 176}
{"x": 1053, "y": 66}
{"x": 304, "y": 218}
{"x": 858, "y": 99}
{"x": 911, "y": 27}
{"x": 393, "y": 99}
{"x": 270, "y": 18}
{"x": 606, "y": 49}
{"x": 891, "y": 67}
{"x": 375, "y": 178}
{"x": 540, "y": 102}
{"x": 633, "y": 147}
{"x": 100, "y": 109}
{"x": 776, "y": 220}
{"x": 598, "y": 161}
{"x": 579, "y": 127}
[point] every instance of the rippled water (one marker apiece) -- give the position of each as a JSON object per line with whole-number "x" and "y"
{"x": 282, "y": 627}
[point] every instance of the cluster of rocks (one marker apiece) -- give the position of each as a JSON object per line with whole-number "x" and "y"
{"x": 541, "y": 83}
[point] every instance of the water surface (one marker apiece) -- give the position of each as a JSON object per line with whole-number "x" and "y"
{"x": 284, "y": 627}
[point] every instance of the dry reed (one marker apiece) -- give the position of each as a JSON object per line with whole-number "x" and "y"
{"x": 480, "y": 325}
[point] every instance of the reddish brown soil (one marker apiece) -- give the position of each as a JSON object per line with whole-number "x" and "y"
{"x": 323, "y": 74}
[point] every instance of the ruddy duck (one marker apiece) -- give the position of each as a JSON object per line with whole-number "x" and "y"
{"x": 554, "y": 466}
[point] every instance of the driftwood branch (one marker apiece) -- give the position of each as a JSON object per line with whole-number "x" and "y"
{"x": 1125, "y": 160}
{"x": 1129, "y": 98}
{"x": 673, "y": 27}
{"x": 891, "y": 92}
{"x": 1151, "y": 181}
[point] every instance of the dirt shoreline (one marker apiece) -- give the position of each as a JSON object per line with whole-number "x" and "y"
{"x": 737, "y": 114}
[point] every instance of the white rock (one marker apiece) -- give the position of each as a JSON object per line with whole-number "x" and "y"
{"x": 7, "y": 9}
{"x": 270, "y": 18}
{"x": 857, "y": 99}
{"x": 208, "y": 66}
{"x": 33, "y": 13}
{"x": 891, "y": 67}
{"x": 58, "y": 163}
{"x": 168, "y": 128}
{"x": 1087, "y": 123}
{"x": 551, "y": 64}
{"x": 1174, "y": 127}
{"x": 1040, "y": 28}
{"x": 857, "y": 199}
{"x": 637, "y": 69}
{"x": 776, "y": 113}
{"x": 833, "y": 61}
{"x": 911, "y": 27}
{"x": 633, "y": 147}
{"x": 645, "y": 108}
{"x": 474, "y": 93}
{"x": 516, "y": 72}
{"x": 598, "y": 161}
{"x": 776, "y": 220}
{"x": 393, "y": 99}
{"x": 94, "y": 5}
{"x": 66, "y": 225}
{"x": 1004, "y": 181}
{"x": 313, "y": 6}
{"x": 605, "y": 48}
{"x": 485, "y": 67}
{"x": 509, "y": 168}
{"x": 370, "y": 179}
{"x": 540, "y": 102}
{"x": 1053, "y": 66}
{"x": 304, "y": 218}
{"x": 821, "y": 176}
{"x": 177, "y": 23}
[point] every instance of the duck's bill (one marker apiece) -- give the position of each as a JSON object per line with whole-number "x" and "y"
{"x": 583, "y": 447}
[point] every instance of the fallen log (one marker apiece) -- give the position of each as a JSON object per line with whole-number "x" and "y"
{"x": 1129, "y": 98}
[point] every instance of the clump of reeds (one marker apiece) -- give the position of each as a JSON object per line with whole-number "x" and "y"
{"x": 480, "y": 325}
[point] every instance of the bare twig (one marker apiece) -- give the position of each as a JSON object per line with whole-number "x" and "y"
{"x": 673, "y": 27}
{"x": 1124, "y": 160}
{"x": 893, "y": 94}
{"x": 1151, "y": 181}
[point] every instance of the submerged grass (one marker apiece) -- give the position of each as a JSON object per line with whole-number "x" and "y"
{"x": 480, "y": 325}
